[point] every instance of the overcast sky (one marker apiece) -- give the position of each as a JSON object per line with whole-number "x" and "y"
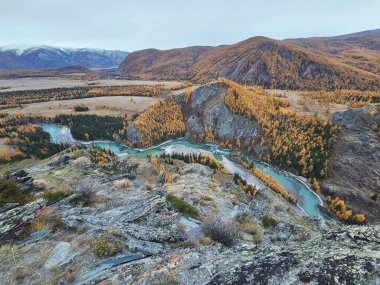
{"x": 137, "y": 24}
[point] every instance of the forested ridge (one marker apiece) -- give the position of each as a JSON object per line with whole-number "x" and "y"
{"x": 298, "y": 142}
{"x": 162, "y": 121}
{"x": 301, "y": 64}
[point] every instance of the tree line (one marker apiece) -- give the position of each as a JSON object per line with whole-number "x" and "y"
{"x": 12, "y": 99}
{"x": 33, "y": 141}
{"x": 161, "y": 121}
{"x": 91, "y": 127}
{"x": 297, "y": 142}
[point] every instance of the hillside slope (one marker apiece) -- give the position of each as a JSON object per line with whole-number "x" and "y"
{"x": 361, "y": 50}
{"x": 43, "y": 57}
{"x": 292, "y": 64}
{"x": 128, "y": 231}
{"x": 301, "y": 144}
{"x": 354, "y": 169}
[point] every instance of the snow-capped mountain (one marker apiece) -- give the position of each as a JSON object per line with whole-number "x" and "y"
{"x": 41, "y": 57}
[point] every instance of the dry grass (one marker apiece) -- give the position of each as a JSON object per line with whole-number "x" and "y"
{"x": 205, "y": 241}
{"x": 117, "y": 105}
{"x": 82, "y": 161}
{"x": 308, "y": 106}
{"x": 34, "y": 83}
{"x": 121, "y": 184}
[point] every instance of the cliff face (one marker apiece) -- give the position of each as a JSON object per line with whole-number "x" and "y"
{"x": 206, "y": 108}
{"x": 354, "y": 172}
{"x": 204, "y": 111}
{"x": 354, "y": 167}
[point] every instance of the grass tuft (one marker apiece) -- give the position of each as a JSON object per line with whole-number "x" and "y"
{"x": 182, "y": 206}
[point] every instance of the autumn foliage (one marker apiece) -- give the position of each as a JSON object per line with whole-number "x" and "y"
{"x": 249, "y": 190}
{"x": 101, "y": 156}
{"x": 31, "y": 140}
{"x": 341, "y": 210}
{"x": 354, "y": 98}
{"x": 200, "y": 158}
{"x": 15, "y": 98}
{"x": 162, "y": 121}
{"x": 298, "y": 142}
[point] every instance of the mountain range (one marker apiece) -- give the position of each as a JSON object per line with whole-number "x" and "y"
{"x": 43, "y": 57}
{"x": 350, "y": 62}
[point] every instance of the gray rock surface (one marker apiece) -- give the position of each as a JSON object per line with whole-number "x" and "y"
{"x": 154, "y": 238}
{"x": 354, "y": 168}
{"x": 15, "y": 218}
{"x": 206, "y": 109}
{"x": 60, "y": 255}
{"x": 344, "y": 256}
{"x": 23, "y": 179}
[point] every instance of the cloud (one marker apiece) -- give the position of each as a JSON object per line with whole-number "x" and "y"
{"x": 132, "y": 25}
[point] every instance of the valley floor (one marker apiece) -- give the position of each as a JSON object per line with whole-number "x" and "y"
{"x": 101, "y": 106}
{"x": 36, "y": 83}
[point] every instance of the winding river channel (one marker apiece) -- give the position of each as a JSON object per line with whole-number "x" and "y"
{"x": 308, "y": 201}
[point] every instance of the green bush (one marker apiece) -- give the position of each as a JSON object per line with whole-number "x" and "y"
{"x": 186, "y": 244}
{"x": 10, "y": 193}
{"x": 269, "y": 221}
{"x": 55, "y": 195}
{"x": 81, "y": 108}
{"x": 106, "y": 247}
{"x": 163, "y": 279}
{"x": 182, "y": 206}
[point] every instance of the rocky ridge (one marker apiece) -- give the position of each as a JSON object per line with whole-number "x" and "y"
{"x": 206, "y": 108}
{"x": 345, "y": 62}
{"x": 354, "y": 156}
{"x": 354, "y": 168}
{"x": 157, "y": 242}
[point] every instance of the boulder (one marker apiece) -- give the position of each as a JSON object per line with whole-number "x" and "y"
{"x": 60, "y": 255}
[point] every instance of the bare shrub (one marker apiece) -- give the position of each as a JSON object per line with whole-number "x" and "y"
{"x": 112, "y": 204}
{"x": 220, "y": 230}
{"x": 86, "y": 191}
{"x": 21, "y": 273}
{"x": 121, "y": 184}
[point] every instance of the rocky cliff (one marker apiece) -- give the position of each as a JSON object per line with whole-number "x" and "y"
{"x": 118, "y": 227}
{"x": 354, "y": 156}
{"x": 204, "y": 110}
{"x": 354, "y": 171}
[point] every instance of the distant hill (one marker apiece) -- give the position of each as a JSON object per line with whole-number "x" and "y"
{"x": 349, "y": 61}
{"x": 361, "y": 50}
{"x": 43, "y": 57}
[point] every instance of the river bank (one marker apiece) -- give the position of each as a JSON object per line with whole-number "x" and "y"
{"x": 308, "y": 201}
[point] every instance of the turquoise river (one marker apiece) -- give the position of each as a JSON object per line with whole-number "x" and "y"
{"x": 308, "y": 201}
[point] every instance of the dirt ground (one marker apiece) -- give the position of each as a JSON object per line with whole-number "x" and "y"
{"x": 33, "y": 83}
{"x": 112, "y": 105}
{"x": 309, "y": 106}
